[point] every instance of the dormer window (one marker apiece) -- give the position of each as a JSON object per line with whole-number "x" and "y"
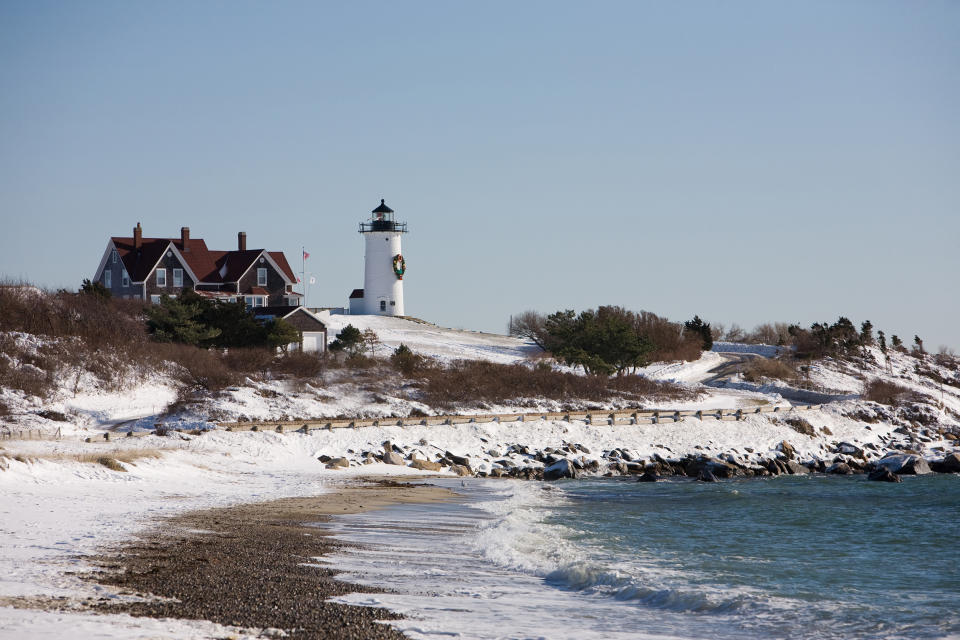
{"x": 261, "y": 277}
{"x": 161, "y": 277}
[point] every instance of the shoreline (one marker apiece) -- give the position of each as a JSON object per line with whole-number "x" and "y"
{"x": 251, "y": 565}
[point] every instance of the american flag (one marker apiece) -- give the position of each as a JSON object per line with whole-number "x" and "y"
{"x": 305, "y": 255}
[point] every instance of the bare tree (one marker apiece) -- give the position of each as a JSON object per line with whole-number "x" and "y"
{"x": 529, "y": 325}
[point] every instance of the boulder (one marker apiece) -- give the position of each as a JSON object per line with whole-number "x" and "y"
{"x": 787, "y": 449}
{"x": 338, "y": 463}
{"x": 949, "y": 464}
{"x": 882, "y": 474}
{"x": 904, "y": 464}
{"x": 849, "y": 449}
{"x": 648, "y": 476}
{"x": 560, "y": 469}
{"x": 325, "y": 458}
{"x": 796, "y": 468}
{"x": 706, "y": 476}
{"x": 455, "y": 459}
{"x": 840, "y": 469}
{"x": 461, "y": 470}
{"x": 694, "y": 466}
{"x": 391, "y": 457}
{"x": 425, "y": 465}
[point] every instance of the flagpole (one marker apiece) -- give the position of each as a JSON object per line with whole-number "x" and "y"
{"x": 303, "y": 272}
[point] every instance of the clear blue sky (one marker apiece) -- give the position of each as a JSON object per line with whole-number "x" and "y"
{"x": 744, "y": 161}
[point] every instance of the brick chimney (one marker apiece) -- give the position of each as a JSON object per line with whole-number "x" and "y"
{"x": 137, "y": 236}
{"x": 185, "y": 238}
{"x": 242, "y": 241}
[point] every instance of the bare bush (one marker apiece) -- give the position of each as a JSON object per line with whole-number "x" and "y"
{"x": 300, "y": 364}
{"x": 530, "y": 325}
{"x": 471, "y": 382}
{"x": 883, "y": 392}
{"x": 758, "y": 369}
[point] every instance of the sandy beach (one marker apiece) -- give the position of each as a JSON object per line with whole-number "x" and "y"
{"x": 253, "y": 565}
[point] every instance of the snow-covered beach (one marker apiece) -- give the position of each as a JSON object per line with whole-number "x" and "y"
{"x": 62, "y": 504}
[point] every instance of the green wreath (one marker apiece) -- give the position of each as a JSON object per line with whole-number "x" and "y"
{"x": 399, "y": 266}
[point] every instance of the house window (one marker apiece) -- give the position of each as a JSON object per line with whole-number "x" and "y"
{"x": 155, "y": 299}
{"x": 383, "y": 305}
{"x": 108, "y": 279}
{"x": 261, "y": 277}
{"x": 178, "y": 277}
{"x": 255, "y": 301}
{"x": 125, "y": 278}
{"x": 113, "y": 256}
{"x": 161, "y": 277}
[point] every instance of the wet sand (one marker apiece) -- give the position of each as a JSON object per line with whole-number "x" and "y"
{"x": 254, "y": 565}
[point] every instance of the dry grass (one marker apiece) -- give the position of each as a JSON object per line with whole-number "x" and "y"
{"x": 759, "y": 369}
{"x": 472, "y": 382}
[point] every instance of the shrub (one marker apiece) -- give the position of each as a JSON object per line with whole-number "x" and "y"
{"x": 249, "y": 360}
{"x": 300, "y": 364}
{"x": 406, "y": 361}
{"x": 470, "y": 382}
{"x": 111, "y": 463}
{"x": 800, "y": 425}
{"x": 759, "y": 368}
{"x": 883, "y": 392}
{"x": 201, "y": 368}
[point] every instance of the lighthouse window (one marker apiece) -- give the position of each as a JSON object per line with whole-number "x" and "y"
{"x": 383, "y": 305}
{"x": 393, "y": 303}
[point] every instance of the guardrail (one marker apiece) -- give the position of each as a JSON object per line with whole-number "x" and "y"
{"x": 623, "y": 416}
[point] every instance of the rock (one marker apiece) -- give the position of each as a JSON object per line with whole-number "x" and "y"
{"x": 949, "y": 464}
{"x": 694, "y": 466}
{"x": 796, "y": 468}
{"x": 325, "y": 458}
{"x": 338, "y": 463}
{"x": 425, "y": 465}
{"x": 493, "y": 453}
{"x": 882, "y": 474}
{"x": 582, "y": 448}
{"x": 849, "y": 449}
{"x": 461, "y": 470}
{"x": 391, "y": 457}
{"x": 840, "y": 469}
{"x": 560, "y": 469}
{"x": 706, "y": 476}
{"x": 787, "y": 449}
{"x": 648, "y": 476}
{"x": 904, "y": 464}
{"x": 455, "y": 459}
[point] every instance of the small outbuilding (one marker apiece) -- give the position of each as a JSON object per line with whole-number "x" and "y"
{"x": 313, "y": 331}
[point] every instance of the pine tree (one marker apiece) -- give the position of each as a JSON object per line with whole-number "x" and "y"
{"x": 866, "y": 333}
{"x": 882, "y": 340}
{"x": 896, "y": 342}
{"x": 918, "y": 345}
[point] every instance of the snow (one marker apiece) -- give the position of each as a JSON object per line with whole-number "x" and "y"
{"x": 58, "y": 507}
{"x": 430, "y": 340}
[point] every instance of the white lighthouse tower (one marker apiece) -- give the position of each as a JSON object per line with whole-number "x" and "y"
{"x": 384, "y": 264}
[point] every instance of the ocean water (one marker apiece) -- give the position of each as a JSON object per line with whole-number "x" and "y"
{"x": 787, "y": 557}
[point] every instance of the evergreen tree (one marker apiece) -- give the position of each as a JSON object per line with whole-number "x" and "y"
{"x": 918, "y": 345}
{"x": 349, "y": 339}
{"x": 896, "y": 342}
{"x": 882, "y": 340}
{"x": 866, "y": 333}
{"x": 701, "y": 328}
{"x": 180, "y": 320}
{"x": 282, "y": 334}
{"x": 95, "y": 289}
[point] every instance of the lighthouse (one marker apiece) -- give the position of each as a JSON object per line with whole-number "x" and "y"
{"x": 383, "y": 267}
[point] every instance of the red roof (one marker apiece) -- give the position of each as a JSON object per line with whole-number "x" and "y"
{"x": 257, "y": 291}
{"x": 206, "y": 264}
